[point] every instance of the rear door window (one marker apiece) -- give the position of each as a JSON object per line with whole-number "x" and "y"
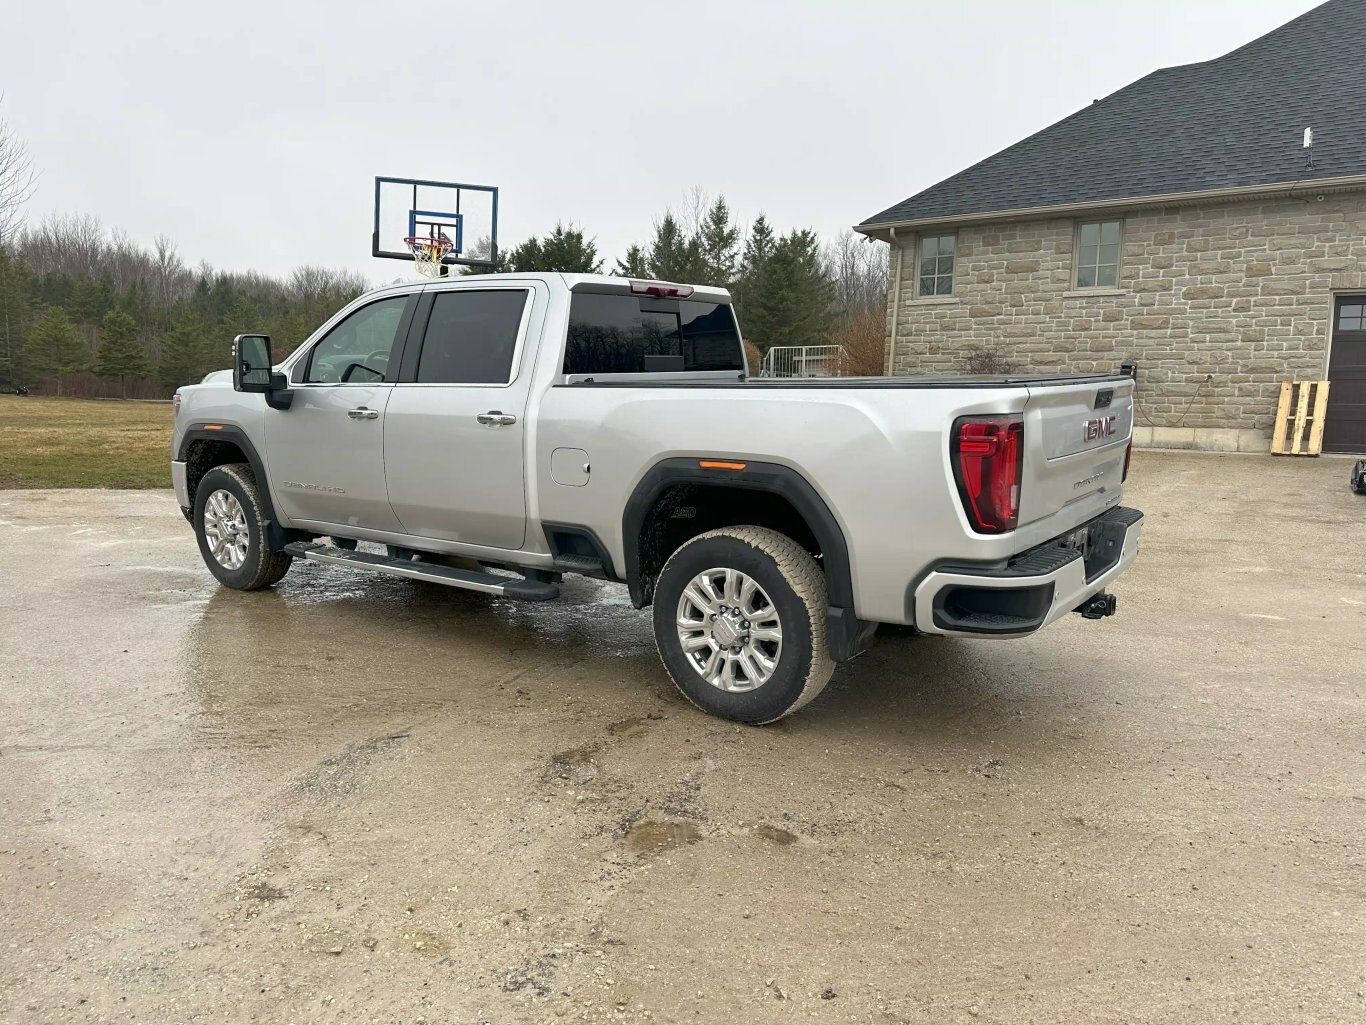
{"x": 631, "y": 334}
{"x": 471, "y": 337}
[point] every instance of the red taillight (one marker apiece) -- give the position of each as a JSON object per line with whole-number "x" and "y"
{"x": 988, "y": 462}
{"x": 1128, "y": 454}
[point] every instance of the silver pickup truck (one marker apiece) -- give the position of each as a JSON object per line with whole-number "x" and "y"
{"x": 497, "y": 432}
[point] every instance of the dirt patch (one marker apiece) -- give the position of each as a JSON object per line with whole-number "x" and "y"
{"x": 775, "y": 834}
{"x": 573, "y": 756}
{"x": 634, "y": 726}
{"x": 263, "y": 891}
{"x": 651, "y": 836}
{"x": 341, "y": 774}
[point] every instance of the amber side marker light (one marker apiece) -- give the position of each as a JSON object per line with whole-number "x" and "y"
{"x": 213, "y": 427}
{"x": 715, "y": 464}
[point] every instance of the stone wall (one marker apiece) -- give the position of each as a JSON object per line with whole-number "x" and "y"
{"x": 1218, "y": 304}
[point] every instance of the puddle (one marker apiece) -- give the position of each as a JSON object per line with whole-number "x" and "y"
{"x": 650, "y": 836}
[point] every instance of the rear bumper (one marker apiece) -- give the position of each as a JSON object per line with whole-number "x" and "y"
{"x": 1031, "y": 590}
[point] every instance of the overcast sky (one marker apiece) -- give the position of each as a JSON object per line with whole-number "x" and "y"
{"x": 251, "y": 132}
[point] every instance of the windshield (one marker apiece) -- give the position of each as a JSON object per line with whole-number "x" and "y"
{"x": 631, "y": 334}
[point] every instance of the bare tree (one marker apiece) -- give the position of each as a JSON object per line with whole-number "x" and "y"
{"x": 18, "y": 180}
{"x": 694, "y": 211}
{"x": 858, "y": 267}
{"x": 172, "y": 279}
{"x": 309, "y": 281}
{"x": 126, "y": 261}
{"x": 71, "y": 244}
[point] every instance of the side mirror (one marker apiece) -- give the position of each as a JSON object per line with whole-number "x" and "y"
{"x": 251, "y": 371}
{"x": 251, "y": 363}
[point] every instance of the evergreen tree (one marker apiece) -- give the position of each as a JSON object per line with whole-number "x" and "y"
{"x": 719, "y": 243}
{"x": 241, "y": 317}
{"x": 526, "y": 257}
{"x": 54, "y": 348}
{"x": 91, "y": 300}
{"x": 758, "y": 248}
{"x": 184, "y": 355}
{"x": 120, "y": 356}
{"x": 290, "y": 333}
{"x": 674, "y": 255}
{"x": 633, "y": 265}
{"x": 789, "y": 297}
{"x": 565, "y": 249}
{"x": 137, "y": 302}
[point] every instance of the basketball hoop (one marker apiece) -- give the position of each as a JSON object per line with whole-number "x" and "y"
{"x": 429, "y": 253}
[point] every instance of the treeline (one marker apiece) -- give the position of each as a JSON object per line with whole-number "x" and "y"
{"x": 85, "y": 311}
{"x": 789, "y": 288}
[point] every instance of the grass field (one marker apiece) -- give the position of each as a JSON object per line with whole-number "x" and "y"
{"x": 80, "y": 443}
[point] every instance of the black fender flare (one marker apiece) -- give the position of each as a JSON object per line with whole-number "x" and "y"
{"x": 276, "y": 536}
{"x": 846, "y": 633}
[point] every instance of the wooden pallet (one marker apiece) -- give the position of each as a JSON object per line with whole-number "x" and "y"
{"x": 1299, "y": 418}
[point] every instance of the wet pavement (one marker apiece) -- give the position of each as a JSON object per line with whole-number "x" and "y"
{"x": 356, "y": 798}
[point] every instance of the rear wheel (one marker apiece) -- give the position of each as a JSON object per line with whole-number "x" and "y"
{"x": 739, "y": 619}
{"x": 230, "y": 526}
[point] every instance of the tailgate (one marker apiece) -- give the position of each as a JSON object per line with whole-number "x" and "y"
{"x": 1076, "y": 437}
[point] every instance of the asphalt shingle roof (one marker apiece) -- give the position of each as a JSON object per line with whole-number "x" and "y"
{"x": 1237, "y": 120}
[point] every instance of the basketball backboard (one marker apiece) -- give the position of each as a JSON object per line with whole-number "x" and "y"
{"x": 465, "y": 215}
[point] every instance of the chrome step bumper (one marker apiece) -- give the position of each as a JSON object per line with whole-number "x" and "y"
{"x": 1033, "y": 589}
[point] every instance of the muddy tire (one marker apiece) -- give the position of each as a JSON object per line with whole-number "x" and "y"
{"x": 739, "y": 620}
{"x": 228, "y": 523}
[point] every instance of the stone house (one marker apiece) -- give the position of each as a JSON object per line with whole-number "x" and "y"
{"x": 1181, "y": 222}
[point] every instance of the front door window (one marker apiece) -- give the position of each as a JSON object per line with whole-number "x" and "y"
{"x": 358, "y": 350}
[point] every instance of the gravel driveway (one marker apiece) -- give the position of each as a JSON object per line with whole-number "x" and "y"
{"x": 358, "y": 798}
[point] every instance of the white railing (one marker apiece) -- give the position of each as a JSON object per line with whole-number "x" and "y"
{"x": 803, "y": 361}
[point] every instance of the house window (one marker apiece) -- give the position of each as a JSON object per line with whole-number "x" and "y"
{"x": 1098, "y": 254}
{"x": 936, "y": 265}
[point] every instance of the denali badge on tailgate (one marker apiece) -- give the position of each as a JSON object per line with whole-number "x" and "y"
{"x": 1100, "y": 427}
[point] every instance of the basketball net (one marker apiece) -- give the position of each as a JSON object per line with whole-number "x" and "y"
{"x": 429, "y": 254}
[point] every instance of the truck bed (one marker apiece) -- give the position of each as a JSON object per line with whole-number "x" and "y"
{"x": 864, "y": 383}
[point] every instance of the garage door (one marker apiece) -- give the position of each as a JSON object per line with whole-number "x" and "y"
{"x": 1344, "y": 428}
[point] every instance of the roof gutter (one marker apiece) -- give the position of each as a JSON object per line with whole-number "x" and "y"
{"x": 1341, "y": 184}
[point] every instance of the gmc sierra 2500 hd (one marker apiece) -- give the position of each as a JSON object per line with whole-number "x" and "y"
{"x": 497, "y": 432}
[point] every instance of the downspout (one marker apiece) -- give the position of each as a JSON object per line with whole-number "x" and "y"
{"x": 896, "y": 301}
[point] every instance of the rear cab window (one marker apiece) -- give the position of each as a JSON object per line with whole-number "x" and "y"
{"x": 471, "y": 337}
{"x": 632, "y": 334}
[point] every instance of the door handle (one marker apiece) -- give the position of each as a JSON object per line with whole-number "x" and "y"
{"x": 362, "y": 413}
{"x": 496, "y": 418}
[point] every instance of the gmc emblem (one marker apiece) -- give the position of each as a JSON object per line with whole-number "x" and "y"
{"x": 1100, "y": 427}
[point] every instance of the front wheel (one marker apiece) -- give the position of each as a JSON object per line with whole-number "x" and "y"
{"x": 229, "y": 525}
{"x": 739, "y": 619}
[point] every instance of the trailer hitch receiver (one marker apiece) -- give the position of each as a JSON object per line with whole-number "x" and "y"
{"x": 1098, "y": 606}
